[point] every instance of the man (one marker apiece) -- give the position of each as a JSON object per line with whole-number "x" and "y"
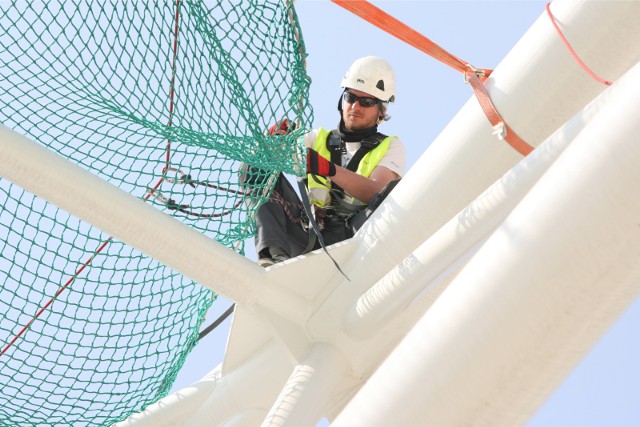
{"x": 346, "y": 167}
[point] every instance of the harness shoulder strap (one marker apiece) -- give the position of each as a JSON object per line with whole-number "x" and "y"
{"x": 335, "y": 147}
{"x": 368, "y": 144}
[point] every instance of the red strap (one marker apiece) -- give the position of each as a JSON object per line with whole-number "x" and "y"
{"x": 474, "y": 76}
{"x": 398, "y": 29}
{"x": 502, "y": 130}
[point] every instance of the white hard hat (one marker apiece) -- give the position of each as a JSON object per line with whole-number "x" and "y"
{"x": 372, "y": 75}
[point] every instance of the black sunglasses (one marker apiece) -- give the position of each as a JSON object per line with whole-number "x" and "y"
{"x": 363, "y": 100}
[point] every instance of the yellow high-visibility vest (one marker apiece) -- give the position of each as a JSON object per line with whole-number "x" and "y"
{"x": 319, "y": 193}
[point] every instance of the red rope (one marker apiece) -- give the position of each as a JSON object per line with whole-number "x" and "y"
{"x": 106, "y": 242}
{"x": 186, "y": 209}
{"x": 173, "y": 82}
{"x": 60, "y": 290}
{"x": 573, "y": 52}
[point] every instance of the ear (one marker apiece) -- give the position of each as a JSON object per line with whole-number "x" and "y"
{"x": 381, "y": 113}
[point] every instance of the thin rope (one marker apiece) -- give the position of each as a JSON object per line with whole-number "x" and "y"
{"x": 53, "y": 298}
{"x": 573, "y": 52}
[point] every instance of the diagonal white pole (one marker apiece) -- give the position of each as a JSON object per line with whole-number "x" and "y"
{"x": 534, "y": 299}
{"x": 86, "y": 196}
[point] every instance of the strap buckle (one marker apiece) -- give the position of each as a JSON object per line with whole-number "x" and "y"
{"x": 500, "y": 130}
{"x": 478, "y": 72}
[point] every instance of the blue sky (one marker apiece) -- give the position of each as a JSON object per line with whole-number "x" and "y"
{"x": 604, "y": 389}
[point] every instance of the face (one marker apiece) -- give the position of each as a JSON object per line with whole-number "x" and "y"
{"x": 357, "y": 117}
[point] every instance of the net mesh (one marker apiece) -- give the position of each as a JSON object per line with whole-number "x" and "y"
{"x": 165, "y": 100}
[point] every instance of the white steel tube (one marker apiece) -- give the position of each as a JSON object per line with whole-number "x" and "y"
{"x": 310, "y": 384}
{"x": 537, "y": 87}
{"x": 240, "y": 398}
{"x": 246, "y": 393}
{"x": 172, "y": 410}
{"x": 453, "y": 244}
{"x": 535, "y": 298}
{"x": 68, "y": 186}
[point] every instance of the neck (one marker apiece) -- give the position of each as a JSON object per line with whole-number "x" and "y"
{"x": 349, "y": 135}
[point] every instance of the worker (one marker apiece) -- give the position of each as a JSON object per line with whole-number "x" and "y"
{"x": 347, "y": 169}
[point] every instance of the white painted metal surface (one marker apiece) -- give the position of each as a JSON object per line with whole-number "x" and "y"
{"x": 535, "y": 297}
{"x": 525, "y": 262}
{"x": 99, "y": 203}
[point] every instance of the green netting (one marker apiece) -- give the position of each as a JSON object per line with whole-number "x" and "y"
{"x": 165, "y": 100}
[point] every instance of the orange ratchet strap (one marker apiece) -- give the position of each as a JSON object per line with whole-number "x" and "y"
{"x": 474, "y": 76}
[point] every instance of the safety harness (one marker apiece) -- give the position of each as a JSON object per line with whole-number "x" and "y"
{"x": 331, "y": 146}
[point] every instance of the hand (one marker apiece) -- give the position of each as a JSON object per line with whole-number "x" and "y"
{"x": 318, "y": 165}
{"x": 282, "y": 127}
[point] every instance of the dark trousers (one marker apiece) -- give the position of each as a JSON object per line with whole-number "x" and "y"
{"x": 277, "y": 227}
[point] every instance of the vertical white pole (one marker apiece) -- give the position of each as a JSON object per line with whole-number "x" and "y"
{"x": 309, "y": 387}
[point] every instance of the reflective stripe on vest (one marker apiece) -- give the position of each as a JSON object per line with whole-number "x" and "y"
{"x": 319, "y": 193}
